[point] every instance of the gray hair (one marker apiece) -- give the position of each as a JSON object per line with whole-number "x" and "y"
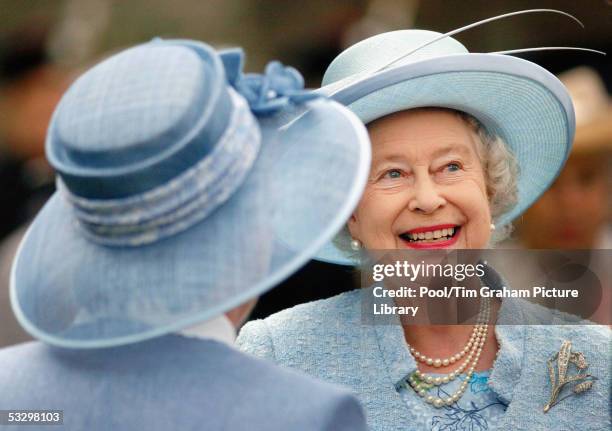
{"x": 501, "y": 173}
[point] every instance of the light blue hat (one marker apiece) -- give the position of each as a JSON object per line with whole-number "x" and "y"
{"x": 528, "y": 107}
{"x": 175, "y": 203}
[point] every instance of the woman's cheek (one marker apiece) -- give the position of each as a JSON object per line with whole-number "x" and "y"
{"x": 471, "y": 200}
{"x": 374, "y": 219}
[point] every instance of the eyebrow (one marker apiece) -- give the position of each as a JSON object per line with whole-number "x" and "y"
{"x": 452, "y": 148}
{"x": 460, "y": 149}
{"x": 389, "y": 158}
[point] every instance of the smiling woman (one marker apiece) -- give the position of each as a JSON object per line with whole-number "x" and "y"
{"x": 446, "y": 169}
{"x": 462, "y": 144}
{"x": 497, "y": 163}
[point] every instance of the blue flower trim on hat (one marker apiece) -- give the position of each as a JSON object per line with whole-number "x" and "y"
{"x": 268, "y": 93}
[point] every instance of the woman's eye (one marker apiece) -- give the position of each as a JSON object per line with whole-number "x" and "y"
{"x": 453, "y": 167}
{"x": 393, "y": 174}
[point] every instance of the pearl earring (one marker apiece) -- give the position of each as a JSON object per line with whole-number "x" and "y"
{"x": 355, "y": 244}
{"x": 492, "y": 226}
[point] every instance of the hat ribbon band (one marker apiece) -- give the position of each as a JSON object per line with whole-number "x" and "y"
{"x": 181, "y": 202}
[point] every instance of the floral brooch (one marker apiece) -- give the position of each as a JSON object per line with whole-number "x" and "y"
{"x": 559, "y": 377}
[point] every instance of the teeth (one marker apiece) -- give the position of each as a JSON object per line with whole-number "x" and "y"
{"x": 440, "y": 234}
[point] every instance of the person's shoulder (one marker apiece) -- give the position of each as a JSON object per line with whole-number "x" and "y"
{"x": 300, "y": 336}
{"x": 303, "y": 322}
{"x": 223, "y": 385}
{"x": 338, "y": 307}
{"x": 588, "y": 338}
{"x": 547, "y": 327}
{"x": 538, "y": 314}
{"x": 22, "y": 353}
{"x": 279, "y": 382}
{"x": 277, "y": 398}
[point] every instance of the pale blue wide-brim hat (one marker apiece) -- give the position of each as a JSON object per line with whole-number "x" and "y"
{"x": 175, "y": 202}
{"x": 524, "y": 104}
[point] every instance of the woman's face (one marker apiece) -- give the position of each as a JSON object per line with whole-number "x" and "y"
{"x": 426, "y": 187}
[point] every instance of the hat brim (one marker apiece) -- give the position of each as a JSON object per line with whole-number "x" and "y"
{"x": 518, "y": 100}
{"x": 306, "y": 180}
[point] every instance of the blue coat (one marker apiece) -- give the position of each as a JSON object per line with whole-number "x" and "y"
{"x": 169, "y": 383}
{"x": 328, "y": 339}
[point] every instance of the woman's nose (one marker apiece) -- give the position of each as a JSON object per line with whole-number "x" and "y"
{"x": 426, "y": 197}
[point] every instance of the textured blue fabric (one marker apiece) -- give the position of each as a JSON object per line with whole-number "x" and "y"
{"x": 97, "y": 109}
{"x": 139, "y": 118}
{"x": 170, "y": 383}
{"x": 327, "y": 339}
{"x": 181, "y": 202}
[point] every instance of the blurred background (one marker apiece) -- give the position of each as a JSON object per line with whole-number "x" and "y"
{"x": 45, "y": 44}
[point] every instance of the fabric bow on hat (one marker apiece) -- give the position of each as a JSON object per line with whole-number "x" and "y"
{"x": 269, "y": 92}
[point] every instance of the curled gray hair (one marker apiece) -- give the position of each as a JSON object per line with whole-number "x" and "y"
{"x": 501, "y": 173}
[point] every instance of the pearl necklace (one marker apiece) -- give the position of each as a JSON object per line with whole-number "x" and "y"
{"x": 422, "y": 382}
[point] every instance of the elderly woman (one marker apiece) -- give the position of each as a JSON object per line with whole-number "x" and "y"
{"x": 461, "y": 144}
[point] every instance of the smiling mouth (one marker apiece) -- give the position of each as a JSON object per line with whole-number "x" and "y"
{"x": 432, "y": 235}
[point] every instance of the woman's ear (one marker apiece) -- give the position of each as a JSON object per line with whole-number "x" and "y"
{"x": 353, "y": 226}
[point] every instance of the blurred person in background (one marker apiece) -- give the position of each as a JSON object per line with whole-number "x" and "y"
{"x": 575, "y": 212}
{"x": 31, "y": 86}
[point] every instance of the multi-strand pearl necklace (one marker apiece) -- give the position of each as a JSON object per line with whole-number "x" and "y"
{"x": 422, "y": 382}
